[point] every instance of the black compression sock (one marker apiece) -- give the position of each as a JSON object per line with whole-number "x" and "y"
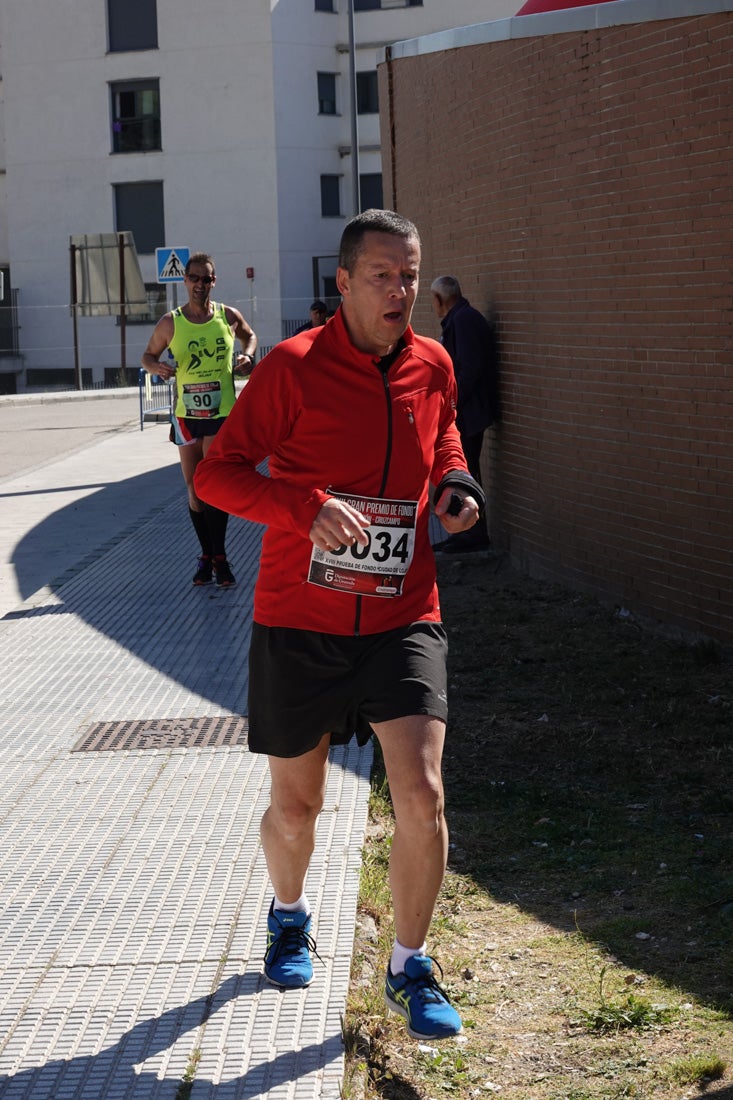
{"x": 217, "y": 526}
{"x": 201, "y": 527}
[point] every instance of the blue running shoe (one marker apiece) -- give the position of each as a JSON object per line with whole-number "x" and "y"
{"x": 289, "y": 944}
{"x": 416, "y": 996}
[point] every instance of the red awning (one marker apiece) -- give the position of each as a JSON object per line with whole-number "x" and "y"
{"x": 532, "y": 7}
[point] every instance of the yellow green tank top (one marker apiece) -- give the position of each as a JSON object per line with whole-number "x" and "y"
{"x": 204, "y": 379}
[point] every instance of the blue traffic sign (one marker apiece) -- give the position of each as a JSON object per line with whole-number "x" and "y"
{"x": 171, "y": 264}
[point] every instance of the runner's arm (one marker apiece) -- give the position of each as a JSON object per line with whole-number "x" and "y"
{"x": 158, "y": 342}
{"x": 247, "y": 338}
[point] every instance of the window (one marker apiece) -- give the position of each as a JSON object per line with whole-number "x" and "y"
{"x": 135, "y": 116}
{"x": 64, "y": 377}
{"x": 327, "y": 93}
{"x": 132, "y": 25}
{"x": 331, "y": 196}
{"x": 116, "y": 376}
{"x": 370, "y": 191}
{"x": 331, "y": 291}
{"x": 324, "y": 5}
{"x": 367, "y": 5}
{"x": 139, "y": 208}
{"x": 367, "y": 97}
{"x": 9, "y": 330}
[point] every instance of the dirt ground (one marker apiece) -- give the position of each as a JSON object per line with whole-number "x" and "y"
{"x": 585, "y": 922}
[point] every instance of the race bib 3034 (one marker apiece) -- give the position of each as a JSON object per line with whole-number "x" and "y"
{"x": 378, "y": 568}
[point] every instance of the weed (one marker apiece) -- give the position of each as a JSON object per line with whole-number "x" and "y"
{"x": 610, "y": 1013}
{"x": 356, "y": 1048}
{"x": 451, "y": 1067}
{"x": 380, "y": 803}
{"x": 633, "y": 1011}
{"x": 184, "y": 1089}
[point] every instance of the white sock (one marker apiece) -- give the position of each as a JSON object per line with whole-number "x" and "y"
{"x": 300, "y": 906}
{"x": 401, "y": 954}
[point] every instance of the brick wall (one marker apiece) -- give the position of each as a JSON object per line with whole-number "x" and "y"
{"x": 580, "y": 185}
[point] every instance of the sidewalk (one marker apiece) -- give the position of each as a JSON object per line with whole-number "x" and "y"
{"x": 133, "y": 885}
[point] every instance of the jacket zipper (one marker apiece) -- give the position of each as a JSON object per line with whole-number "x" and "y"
{"x": 383, "y": 486}
{"x": 388, "y": 455}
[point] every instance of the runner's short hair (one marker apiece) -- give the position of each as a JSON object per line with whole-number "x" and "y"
{"x": 372, "y": 221}
{"x": 200, "y": 258}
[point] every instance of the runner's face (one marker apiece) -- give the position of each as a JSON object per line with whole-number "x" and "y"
{"x": 199, "y": 290}
{"x": 380, "y": 292}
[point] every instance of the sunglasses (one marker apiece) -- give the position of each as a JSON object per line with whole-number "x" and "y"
{"x": 207, "y": 280}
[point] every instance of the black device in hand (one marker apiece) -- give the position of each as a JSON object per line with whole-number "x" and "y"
{"x": 455, "y": 504}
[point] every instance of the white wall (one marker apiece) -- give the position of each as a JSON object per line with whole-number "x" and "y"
{"x": 243, "y": 148}
{"x": 4, "y": 252}
{"x": 217, "y": 162}
{"x": 306, "y": 42}
{"x": 219, "y": 142}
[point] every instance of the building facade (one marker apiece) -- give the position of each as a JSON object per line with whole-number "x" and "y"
{"x": 230, "y": 131}
{"x": 592, "y": 214}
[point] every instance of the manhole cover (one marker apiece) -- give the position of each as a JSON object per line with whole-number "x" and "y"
{"x": 157, "y": 733}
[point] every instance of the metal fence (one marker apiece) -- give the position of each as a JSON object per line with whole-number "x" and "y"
{"x": 156, "y": 398}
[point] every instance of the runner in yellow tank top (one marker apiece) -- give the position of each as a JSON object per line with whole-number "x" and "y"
{"x": 200, "y": 336}
{"x": 204, "y": 354}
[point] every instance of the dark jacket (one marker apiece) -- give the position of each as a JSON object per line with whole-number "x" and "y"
{"x": 471, "y": 343}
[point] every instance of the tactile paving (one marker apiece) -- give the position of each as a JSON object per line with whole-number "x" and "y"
{"x": 134, "y": 888}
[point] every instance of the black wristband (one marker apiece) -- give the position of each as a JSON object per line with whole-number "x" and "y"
{"x": 456, "y": 479}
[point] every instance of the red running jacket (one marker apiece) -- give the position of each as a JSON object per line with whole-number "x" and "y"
{"x": 328, "y": 418}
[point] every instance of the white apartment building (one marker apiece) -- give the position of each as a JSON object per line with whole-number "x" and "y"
{"x": 226, "y": 128}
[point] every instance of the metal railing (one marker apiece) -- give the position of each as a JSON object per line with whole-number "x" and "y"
{"x": 156, "y": 398}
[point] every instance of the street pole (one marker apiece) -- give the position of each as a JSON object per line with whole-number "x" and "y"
{"x": 74, "y": 315}
{"x": 355, "y": 189}
{"x": 123, "y": 308}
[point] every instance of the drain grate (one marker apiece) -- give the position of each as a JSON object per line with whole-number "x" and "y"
{"x": 164, "y": 733}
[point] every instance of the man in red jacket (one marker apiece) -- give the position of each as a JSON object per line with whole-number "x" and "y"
{"x": 357, "y": 418}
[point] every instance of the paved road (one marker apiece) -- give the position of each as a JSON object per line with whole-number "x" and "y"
{"x": 36, "y": 429}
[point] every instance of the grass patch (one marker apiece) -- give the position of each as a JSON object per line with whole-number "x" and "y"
{"x": 697, "y": 1069}
{"x": 586, "y": 918}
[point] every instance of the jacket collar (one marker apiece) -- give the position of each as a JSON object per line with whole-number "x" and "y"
{"x": 335, "y": 335}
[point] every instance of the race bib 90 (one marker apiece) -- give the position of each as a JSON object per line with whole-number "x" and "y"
{"x": 380, "y": 567}
{"x": 202, "y": 399}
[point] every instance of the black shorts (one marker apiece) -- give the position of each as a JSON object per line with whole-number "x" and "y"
{"x": 304, "y": 684}
{"x": 187, "y": 429}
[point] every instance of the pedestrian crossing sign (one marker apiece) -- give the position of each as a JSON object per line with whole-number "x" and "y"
{"x": 171, "y": 263}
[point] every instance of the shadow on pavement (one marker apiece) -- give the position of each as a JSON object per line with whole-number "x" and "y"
{"x": 76, "y": 533}
{"x": 90, "y": 1075}
{"x": 134, "y": 586}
